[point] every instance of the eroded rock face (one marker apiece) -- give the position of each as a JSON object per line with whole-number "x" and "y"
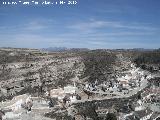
{"x": 36, "y": 74}
{"x": 33, "y": 71}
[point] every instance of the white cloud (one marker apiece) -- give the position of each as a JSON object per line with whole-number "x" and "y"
{"x": 28, "y": 25}
{"x": 92, "y": 25}
{"x": 35, "y": 25}
{"x": 38, "y": 24}
{"x": 82, "y": 34}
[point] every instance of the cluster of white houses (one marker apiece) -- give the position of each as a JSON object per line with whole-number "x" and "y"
{"x": 122, "y": 85}
{"x": 67, "y": 95}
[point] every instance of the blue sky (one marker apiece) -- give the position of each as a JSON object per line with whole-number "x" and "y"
{"x": 88, "y": 24}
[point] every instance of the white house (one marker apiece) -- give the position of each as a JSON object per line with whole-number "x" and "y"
{"x": 57, "y": 93}
{"x": 73, "y": 99}
{"x": 70, "y": 89}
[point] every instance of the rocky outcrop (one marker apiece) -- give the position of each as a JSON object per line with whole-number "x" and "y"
{"x": 34, "y": 71}
{"x": 36, "y": 74}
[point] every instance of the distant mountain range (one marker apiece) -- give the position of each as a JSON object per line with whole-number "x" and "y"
{"x": 63, "y": 49}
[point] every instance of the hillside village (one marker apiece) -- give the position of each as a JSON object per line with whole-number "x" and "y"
{"x": 61, "y": 86}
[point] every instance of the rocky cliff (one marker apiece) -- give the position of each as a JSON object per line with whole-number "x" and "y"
{"x": 35, "y": 71}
